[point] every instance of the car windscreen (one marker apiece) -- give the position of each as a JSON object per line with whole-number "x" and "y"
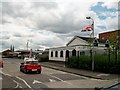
{"x": 32, "y": 62}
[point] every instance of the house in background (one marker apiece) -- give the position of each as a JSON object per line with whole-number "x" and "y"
{"x": 114, "y": 35}
{"x": 75, "y": 47}
{"x": 7, "y": 53}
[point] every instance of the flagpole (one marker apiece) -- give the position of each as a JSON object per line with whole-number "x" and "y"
{"x": 27, "y": 44}
{"x": 92, "y": 44}
{"x": 93, "y": 48}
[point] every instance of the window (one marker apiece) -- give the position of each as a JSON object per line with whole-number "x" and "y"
{"x": 74, "y": 52}
{"x": 67, "y": 54}
{"x": 56, "y": 54}
{"x": 51, "y": 54}
{"x": 61, "y": 54}
{"x": 82, "y": 53}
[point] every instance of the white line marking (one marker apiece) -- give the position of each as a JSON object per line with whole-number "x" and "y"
{"x": 20, "y": 86}
{"x": 36, "y": 81}
{"x": 23, "y": 81}
{"x": 16, "y": 83}
{"x": 61, "y": 80}
{"x": 5, "y": 74}
{"x": 52, "y": 80}
{"x": 56, "y": 78}
{"x": 0, "y": 78}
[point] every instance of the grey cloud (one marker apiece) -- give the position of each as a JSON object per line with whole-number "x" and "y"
{"x": 19, "y": 10}
{"x": 17, "y": 35}
{"x": 23, "y": 35}
{"x": 65, "y": 24}
{"x": 4, "y": 44}
{"x": 4, "y": 20}
{"x": 48, "y": 42}
{"x": 46, "y": 5}
{"x": 4, "y": 35}
{"x": 14, "y": 9}
{"x": 119, "y": 21}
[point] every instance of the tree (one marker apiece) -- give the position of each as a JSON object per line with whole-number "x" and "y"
{"x": 113, "y": 38}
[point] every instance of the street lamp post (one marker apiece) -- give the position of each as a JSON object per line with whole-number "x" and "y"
{"x": 93, "y": 41}
{"x": 27, "y": 44}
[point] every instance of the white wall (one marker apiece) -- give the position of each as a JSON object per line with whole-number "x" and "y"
{"x": 77, "y": 41}
{"x": 57, "y": 58}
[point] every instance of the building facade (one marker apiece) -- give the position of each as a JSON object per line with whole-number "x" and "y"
{"x": 75, "y": 47}
{"x": 113, "y": 35}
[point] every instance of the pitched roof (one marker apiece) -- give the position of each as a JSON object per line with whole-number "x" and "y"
{"x": 88, "y": 39}
{"x": 6, "y": 51}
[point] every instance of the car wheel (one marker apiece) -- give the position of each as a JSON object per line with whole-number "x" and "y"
{"x": 25, "y": 71}
{"x": 39, "y": 72}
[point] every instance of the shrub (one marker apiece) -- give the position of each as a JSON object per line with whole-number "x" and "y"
{"x": 80, "y": 62}
{"x": 102, "y": 63}
{"x": 73, "y": 61}
{"x": 43, "y": 58}
{"x": 85, "y": 62}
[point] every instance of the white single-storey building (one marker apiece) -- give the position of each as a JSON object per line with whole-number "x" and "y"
{"x": 76, "y": 46}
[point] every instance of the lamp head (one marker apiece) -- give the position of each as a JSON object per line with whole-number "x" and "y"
{"x": 88, "y": 17}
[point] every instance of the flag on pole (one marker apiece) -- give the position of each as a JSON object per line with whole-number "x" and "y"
{"x": 88, "y": 28}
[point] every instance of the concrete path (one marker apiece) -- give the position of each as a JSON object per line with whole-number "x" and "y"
{"x": 87, "y": 73}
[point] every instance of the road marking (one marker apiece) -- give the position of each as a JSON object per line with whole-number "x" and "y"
{"x": 36, "y": 81}
{"x": 56, "y": 77}
{"x": 98, "y": 79}
{"x": 20, "y": 87}
{"x": 24, "y": 81}
{"x": 5, "y": 74}
{"x": 16, "y": 83}
{"x": 52, "y": 80}
{"x": 61, "y": 80}
{"x": 0, "y": 78}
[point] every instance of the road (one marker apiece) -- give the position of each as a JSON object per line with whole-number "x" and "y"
{"x": 49, "y": 78}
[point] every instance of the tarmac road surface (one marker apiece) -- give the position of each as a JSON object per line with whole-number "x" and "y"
{"x": 49, "y": 78}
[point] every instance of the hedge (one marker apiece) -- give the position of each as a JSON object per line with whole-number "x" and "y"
{"x": 43, "y": 58}
{"x": 102, "y": 63}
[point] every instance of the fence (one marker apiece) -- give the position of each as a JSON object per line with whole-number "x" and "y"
{"x": 108, "y": 62}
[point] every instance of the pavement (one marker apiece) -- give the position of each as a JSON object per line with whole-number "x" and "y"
{"x": 87, "y": 73}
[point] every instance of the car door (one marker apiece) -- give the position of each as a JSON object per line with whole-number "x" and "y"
{"x": 22, "y": 65}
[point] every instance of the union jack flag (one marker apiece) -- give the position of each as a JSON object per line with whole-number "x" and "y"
{"x": 88, "y": 28}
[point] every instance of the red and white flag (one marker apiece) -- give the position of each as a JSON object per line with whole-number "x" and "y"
{"x": 87, "y": 28}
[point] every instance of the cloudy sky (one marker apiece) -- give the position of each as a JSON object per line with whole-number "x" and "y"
{"x": 52, "y": 23}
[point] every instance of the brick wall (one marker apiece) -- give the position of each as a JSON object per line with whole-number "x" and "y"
{"x": 108, "y": 35}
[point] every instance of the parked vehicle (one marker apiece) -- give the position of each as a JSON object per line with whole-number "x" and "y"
{"x": 30, "y": 66}
{"x": 25, "y": 59}
{"x": 1, "y": 63}
{"x": 114, "y": 86}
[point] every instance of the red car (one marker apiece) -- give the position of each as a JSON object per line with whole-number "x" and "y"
{"x": 1, "y": 63}
{"x": 30, "y": 66}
